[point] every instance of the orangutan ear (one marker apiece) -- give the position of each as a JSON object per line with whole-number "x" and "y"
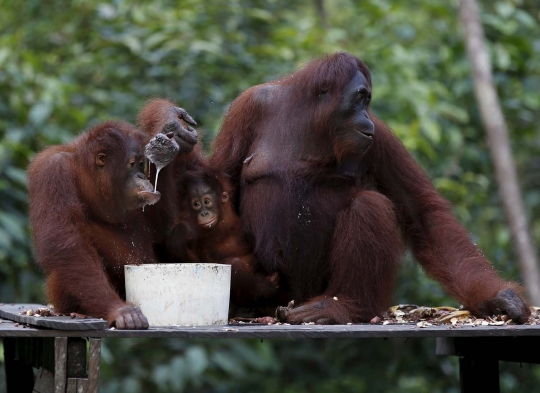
{"x": 224, "y": 197}
{"x": 100, "y": 159}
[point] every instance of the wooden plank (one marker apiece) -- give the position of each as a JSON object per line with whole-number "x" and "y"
{"x": 44, "y": 381}
{"x": 94, "y": 361}
{"x": 11, "y": 312}
{"x": 444, "y": 346}
{"x": 77, "y": 385}
{"x": 71, "y": 386}
{"x": 339, "y": 331}
{"x": 60, "y": 357}
{"x": 8, "y": 329}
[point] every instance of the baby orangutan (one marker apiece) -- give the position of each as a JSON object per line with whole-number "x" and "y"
{"x": 211, "y": 232}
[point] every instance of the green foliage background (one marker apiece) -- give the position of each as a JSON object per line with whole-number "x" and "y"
{"x": 65, "y": 65}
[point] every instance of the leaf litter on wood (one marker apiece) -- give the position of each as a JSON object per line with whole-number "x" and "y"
{"x": 435, "y": 316}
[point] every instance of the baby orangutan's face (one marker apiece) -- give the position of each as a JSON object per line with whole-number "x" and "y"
{"x": 206, "y": 204}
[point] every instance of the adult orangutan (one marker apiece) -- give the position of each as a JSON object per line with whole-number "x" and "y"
{"x": 85, "y": 202}
{"x": 326, "y": 193}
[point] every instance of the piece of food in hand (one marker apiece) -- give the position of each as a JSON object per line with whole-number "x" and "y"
{"x": 161, "y": 150}
{"x": 77, "y": 315}
{"x": 266, "y": 320}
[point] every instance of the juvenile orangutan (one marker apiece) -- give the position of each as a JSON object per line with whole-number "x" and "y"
{"x": 211, "y": 232}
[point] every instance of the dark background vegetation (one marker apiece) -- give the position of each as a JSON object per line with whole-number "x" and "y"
{"x": 65, "y": 65}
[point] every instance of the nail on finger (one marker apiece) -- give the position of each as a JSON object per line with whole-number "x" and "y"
{"x": 129, "y": 321}
{"x": 185, "y": 116}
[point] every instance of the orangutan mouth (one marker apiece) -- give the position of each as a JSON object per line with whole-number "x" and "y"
{"x": 209, "y": 224}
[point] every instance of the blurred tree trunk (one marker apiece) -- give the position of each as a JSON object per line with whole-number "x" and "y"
{"x": 498, "y": 141}
{"x": 321, "y": 12}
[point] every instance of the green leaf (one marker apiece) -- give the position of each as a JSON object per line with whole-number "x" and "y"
{"x": 40, "y": 113}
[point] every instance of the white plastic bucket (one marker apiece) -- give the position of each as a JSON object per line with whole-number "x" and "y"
{"x": 186, "y": 294}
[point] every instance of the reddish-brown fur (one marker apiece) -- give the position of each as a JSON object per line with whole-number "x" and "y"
{"x": 222, "y": 243}
{"x": 172, "y": 227}
{"x": 165, "y": 214}
{"x": 328, "y": 218}
{"x": 83, "y": 231}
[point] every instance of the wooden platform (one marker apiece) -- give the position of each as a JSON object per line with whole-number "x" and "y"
{"x": 97, "y": 328}
{"x": 57, "y": 351}
{"x": 13, "y": 313}
{"x": 8, "y": 329}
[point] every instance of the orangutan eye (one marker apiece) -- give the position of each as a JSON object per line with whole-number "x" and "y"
{"x": 363, "y": 95}
{"x": 207, "y": 202}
